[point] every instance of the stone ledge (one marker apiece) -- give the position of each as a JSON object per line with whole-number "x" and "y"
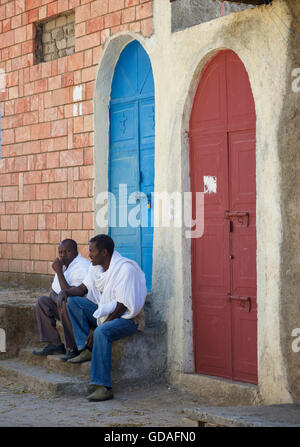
{"x": 141, "y": 357}
{"x": 19, "y": 323}
{"x": 286, "y": 415}
{"x": 134, "y": 358}
{"x": 38, "y": 380}
{"x": 224, "y": 391}
{"x": 27, "y": 280}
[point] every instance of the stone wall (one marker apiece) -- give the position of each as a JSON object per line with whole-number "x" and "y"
{"x": 57, "y": 38}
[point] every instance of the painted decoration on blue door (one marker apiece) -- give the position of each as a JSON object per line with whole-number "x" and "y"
{"x": 131, "y": 157}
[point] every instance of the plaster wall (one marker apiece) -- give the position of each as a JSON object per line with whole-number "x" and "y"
{"x": 177, "y": 60}
{"x": 289, "y": 156}
{"x": 191, "y": 12}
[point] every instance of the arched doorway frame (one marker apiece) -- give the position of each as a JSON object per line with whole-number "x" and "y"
{"x": 188, "y": 351}
{"x": 108, "y": 60}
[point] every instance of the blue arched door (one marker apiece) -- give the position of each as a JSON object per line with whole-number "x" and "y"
{"x": 131, "y": 156}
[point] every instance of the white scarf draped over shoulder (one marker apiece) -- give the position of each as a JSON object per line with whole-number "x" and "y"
{"x": 122, "y": 282}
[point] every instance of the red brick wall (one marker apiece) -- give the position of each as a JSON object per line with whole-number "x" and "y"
{"x": 46, "y": 170}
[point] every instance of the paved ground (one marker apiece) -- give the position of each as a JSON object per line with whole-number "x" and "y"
{"x": 159, "y": 406}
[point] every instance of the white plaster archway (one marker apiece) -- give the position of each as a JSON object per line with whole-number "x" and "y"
{"x": 110, "y": 55}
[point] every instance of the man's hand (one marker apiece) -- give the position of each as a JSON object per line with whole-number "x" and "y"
{"x": 57, "y": 265}
{"x": 90, "y": 339}
{"x": 62, "y": 297}
{"x": 117, "y": 313}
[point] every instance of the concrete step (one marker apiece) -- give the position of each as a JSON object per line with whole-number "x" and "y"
{"x": 41, "y": 381}
{"x": 134, "y": 359}
{"x": 19, "y": 323}
{"x": 141, "y": 357}
{"x": 285, "y": 415}
{"x": 216, "y": 389}
{"x": 53, "y": 363}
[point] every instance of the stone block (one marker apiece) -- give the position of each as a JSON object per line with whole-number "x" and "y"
{"x": 69, "y": 30}
{"x": 60, "y": 21}
{"x": 70, "y": 51}
{"x": 46, "y": 37}
{"x": 48, "y": 57}
{"x": 61, "y": 44}
{"x": 49, "y": 48}
{"x": 57, "y": 34}
{"x": 71, "y": 18}
{"x": 49, "y": 26}
{"x": 71, "y": 42}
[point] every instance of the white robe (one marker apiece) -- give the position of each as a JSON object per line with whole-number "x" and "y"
{"x": 74, "y": 274}
{"x": 122, "y": 282}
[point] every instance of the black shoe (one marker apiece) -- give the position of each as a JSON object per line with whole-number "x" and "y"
{"x": 71, "y": 353}
{"x": 50, "y": 350}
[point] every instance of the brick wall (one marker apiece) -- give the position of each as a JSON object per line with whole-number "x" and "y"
{"x": 46, "y": 170}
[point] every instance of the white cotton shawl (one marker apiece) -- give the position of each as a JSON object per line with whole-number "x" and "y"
{"x": 122, "y": 282}
{"x": 74, "y": 273}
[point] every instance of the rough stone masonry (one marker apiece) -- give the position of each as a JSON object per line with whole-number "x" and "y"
{"x": 55, "y": 38}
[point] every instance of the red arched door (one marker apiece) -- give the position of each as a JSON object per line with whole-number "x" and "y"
{"x": 222, "y": 164}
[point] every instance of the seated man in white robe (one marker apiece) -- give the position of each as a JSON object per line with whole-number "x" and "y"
{"x": 119, "y": 286}
{"x": 70, "y": 268}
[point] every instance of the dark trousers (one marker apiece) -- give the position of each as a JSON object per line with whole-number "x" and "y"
{"x": 47, "y": 312}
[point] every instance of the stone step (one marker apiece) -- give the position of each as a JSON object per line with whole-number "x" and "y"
{"x": 53, "y": 363}
{"x": 41, "y": 381}
{"x": 282, "y": 415}
{"x": 134, "y": 359}
{"x": 141, "y": 357}
{"x": 19, "y": 323}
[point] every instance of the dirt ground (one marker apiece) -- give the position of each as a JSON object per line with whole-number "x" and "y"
{"x": 157, "y": 406}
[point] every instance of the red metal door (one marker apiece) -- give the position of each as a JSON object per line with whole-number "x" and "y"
{"x": 222, "y": 164}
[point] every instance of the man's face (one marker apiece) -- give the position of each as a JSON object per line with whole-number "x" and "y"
{"x": 97, "y": 257}
{"x": 66, "y": 254}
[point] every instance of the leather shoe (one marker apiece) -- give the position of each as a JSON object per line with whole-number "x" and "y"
{"x": 84, "y": 356}
{"x": 71, "y": 353}
{"x": 101, "y": 393}
{"x": 50, "y": 350}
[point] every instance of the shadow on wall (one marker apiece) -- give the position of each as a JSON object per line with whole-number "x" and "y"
{"x": 193, "y": 12}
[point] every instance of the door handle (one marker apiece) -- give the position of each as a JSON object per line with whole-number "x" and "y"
{"x": 149, "y": 198}
{"x": 142, "y": 196}
{"x": 242, "y": 299}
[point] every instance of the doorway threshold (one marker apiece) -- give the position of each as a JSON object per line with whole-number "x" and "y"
{"x": 219, "y": 391}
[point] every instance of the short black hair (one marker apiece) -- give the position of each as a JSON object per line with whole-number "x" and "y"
{"x": 71, "y": 244}
{"x": 103, "y": 241}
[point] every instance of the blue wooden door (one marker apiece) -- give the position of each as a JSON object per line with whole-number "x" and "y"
{"x": 131, "y": 156}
